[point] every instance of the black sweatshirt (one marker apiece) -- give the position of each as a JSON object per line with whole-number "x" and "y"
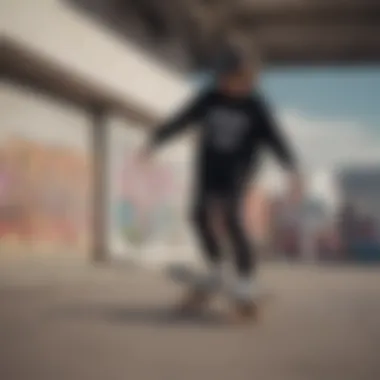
{"x": 233, "y": 131}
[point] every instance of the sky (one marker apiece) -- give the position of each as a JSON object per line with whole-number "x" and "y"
{"x": 332, "y": 116}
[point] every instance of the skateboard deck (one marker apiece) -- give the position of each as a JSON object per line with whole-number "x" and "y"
{"x": 187, "y": 276}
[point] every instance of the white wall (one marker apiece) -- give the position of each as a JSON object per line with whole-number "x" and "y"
{"x": 55, "y": 29}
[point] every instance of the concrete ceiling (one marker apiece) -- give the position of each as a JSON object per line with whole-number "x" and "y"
{"x": 187, "y": 33}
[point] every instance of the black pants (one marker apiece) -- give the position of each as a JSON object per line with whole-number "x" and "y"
{"x": 225, "y": 204}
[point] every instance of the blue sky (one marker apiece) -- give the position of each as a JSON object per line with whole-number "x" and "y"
{"x": 335, "y": 93}
{"x": 331, "y": 110}
{"x": 333, "y": 115}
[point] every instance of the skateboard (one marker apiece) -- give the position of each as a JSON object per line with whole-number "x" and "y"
{"x": 198, "y": 301}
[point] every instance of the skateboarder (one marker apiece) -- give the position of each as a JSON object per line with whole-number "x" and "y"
{"x": 235, "y": 125}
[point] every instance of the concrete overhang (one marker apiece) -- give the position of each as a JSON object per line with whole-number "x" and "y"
{"x": 26, "y": 67}
{"x": 185, "y": 33}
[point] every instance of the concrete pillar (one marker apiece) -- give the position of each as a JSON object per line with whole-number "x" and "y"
{"x": 99, "y": 151}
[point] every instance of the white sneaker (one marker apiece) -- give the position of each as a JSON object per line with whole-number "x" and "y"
{"x": 246, "y": 289}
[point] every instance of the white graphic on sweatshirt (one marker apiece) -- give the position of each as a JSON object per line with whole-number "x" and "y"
{"x": 227, "y": 128}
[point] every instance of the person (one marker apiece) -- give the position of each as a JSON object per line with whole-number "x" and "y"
{"x": 235, "y": 125}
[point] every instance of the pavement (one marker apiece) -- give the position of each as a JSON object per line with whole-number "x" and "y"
{"x": 74, "y": 321}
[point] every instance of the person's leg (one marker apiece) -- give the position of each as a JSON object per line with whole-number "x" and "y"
{"x": 244, "y": 254}
{"x": 204, "y": 286}
{"x": 204, "y": 228}
{"x": 245, "y": 291}
{"x": 204, "y": 218}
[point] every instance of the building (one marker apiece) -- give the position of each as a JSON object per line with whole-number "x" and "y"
{"x": 297, "y": 230}
{"x": 360, "y": 187}
{"x": 359, "y": 218}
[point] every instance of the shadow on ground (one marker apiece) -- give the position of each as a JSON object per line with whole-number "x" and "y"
{"x": 165, "y": 316}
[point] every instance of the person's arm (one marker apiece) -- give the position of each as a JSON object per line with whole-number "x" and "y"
{"x": 274, "y": 139}
{"x": 183, "y": 119}
{"x": 280, "y": 146}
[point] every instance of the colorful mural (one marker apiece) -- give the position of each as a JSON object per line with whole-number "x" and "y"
{"x": 44, "y": 193}
{"x": 145, "y": 206}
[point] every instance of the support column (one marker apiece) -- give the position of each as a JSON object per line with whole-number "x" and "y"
{"x": 99, "y": 152}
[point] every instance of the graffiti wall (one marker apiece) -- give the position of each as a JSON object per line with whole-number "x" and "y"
{"x": 44, "y": 176}
{"x": 45, "y": 184}
{"x": 146, "y": 201}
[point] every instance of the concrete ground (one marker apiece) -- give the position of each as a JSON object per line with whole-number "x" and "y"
{"x": 76, "y": 322}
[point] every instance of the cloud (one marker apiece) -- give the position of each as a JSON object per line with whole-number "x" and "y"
{"x": 323, "y": 146}
{"x": 330, "y": 144}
